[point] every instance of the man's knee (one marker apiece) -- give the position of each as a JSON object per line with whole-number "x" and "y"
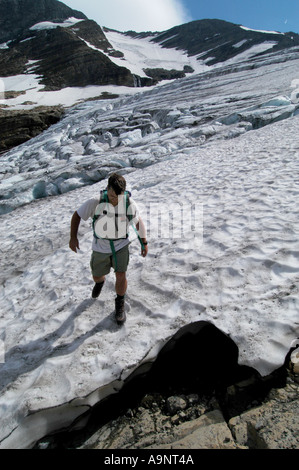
{"x": 120, "y": 276}
{"x": 98, "y": 279}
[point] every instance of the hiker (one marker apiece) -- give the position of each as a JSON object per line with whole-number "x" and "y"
{"x": 112, "y": 214}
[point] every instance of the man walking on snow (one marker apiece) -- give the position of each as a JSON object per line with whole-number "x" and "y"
{"x": 112, "y": 213}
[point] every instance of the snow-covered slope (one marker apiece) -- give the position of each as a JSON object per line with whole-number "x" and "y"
{"x": 142, "y": 53}
{"x": 192, "y": 146}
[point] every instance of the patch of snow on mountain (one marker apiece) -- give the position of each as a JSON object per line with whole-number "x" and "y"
{"x": 260, "y": 30}
{"x": 251, "y": 52}
{"x": 50, "y": 25}
{"x": 35, "y": 95}
{"x": 241, "y": 43}
{"x": 142, "y": 53}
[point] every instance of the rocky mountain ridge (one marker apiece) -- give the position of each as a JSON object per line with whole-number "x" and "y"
{"x": 68, "y": 54}
{"x": 38, "y": 51}
{"x": 215, "y": 41}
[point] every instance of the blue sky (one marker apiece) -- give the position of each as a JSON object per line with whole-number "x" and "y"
{"x": 281, "y": 15}
{"x": 159, "y": 15}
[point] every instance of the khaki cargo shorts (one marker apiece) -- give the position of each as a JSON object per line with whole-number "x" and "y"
{"x": 101, "y": 263}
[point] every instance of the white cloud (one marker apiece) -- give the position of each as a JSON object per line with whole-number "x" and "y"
{"x": 137, "y": 15}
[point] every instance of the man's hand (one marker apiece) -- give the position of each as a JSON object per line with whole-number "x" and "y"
{"x": 144, "y": 251}
{"x": 74, "y": 244}
{"x": 142, "y": 237}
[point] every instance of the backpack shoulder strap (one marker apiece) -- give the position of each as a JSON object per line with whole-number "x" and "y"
{"x": 104, "y": 196}
{"x": 128, "y": 203}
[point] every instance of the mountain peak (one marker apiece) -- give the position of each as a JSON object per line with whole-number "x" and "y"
{"x": 217, "y": 40}
{"x": 19, "y": 15}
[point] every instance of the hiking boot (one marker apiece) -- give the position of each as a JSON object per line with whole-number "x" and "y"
{"x": 120, "y": 314}
{"x": 97, "y": 289}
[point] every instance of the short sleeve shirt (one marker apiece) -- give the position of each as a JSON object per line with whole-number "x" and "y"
{"x": 87, "y": 210}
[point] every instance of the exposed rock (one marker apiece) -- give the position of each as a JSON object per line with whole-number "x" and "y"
{"x": 11, "y": 94}
{"x": 175, "y": 404}
{"x": 153, "y": 432}
{"x": 210, "y": 431}
{"x": 154, "y": 427}
{"x": 274, "y": 425}
{"x": 79, "y": 65}
{"x": 294, "y": 361}
{"x": 255, "y": 413}
{"x": 159, "y": 74}
{"x": 162, "y": 74}
{"x": 18, "y": 15}
{"x": 71, "y": 56}
{"x": 17, "y": 127}
{"x": 217, "y": 41}
{"x": 91, "y": 32}
{"x": 201, "y": 424}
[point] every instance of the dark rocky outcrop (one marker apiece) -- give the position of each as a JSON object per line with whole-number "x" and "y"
{"x": 90, "y": 31}
{"x": 161, "y": 74}
{"x": 64, "y": 58}
{"x": 16, "y": 16}
{"x": 17, "y": 127}
{"x": 66, "y": 61}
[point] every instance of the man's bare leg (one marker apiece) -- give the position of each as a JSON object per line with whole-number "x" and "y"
{"x": 121, "y": 284}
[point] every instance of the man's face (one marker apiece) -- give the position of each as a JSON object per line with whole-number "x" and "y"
{"x": 113, "y": 197}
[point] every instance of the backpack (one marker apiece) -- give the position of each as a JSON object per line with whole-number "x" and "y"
{"x": 102, "y": 214}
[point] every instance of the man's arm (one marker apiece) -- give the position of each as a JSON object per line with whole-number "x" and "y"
{"x": 74, "y": 242}
{"x": 142, "y": 233}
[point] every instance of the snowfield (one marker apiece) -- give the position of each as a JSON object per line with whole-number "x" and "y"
{"x": 225, "y": 144}
{"x": 140, "y": 54}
